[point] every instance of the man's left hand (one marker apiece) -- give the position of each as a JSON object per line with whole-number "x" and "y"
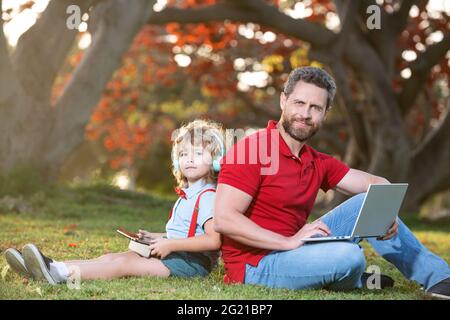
{"x": 392, "y": 232}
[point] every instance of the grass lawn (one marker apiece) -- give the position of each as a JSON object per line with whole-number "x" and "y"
{"x": 80, "y": 223}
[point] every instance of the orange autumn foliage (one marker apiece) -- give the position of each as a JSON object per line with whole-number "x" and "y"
{"x": 149, "y": 64}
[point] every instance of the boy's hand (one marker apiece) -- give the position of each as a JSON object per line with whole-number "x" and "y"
{"x": 145, "y": 235}
{"x": 161, "y": 247}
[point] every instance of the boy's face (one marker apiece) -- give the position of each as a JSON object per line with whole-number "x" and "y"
{"x": 195, "y": 162}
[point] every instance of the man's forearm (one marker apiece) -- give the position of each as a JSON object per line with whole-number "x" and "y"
{"x": 378, "y": 180}
{"x": 239, "y": 228}
{"x": 357, "y": 181}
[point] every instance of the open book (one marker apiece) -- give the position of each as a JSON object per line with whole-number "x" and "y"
{"x": 141, "y": 247}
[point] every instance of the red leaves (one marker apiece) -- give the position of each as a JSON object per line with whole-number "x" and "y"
{"x": 109, "y": 144}
{"x": 70, "y": 230}
{"x": 115, "y": 163}
{"x": 118, "y": 120}
{"x": 216, "y": 35}
{"x": 190, "y": 3}
{"x": 343, "y": 136}
{"x": 76, "y": 59}
{"x": 123, "y": 140}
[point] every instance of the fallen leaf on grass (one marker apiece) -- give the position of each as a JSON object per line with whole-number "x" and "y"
{"x": 38, "y": 290}
{"x": 4, "y": 272}
{"x": 70, "y": 230}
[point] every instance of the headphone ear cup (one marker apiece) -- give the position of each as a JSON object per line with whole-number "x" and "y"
{"x": 176, "y": 164}
{"x": 216, "y": 165}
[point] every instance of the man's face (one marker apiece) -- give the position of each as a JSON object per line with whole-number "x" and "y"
{"x": 303, "y": 111}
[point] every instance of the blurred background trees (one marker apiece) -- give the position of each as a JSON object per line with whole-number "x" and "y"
{"x": 104, "y": 99}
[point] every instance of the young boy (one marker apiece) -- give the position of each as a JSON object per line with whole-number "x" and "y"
{"x": 190, "y": 245}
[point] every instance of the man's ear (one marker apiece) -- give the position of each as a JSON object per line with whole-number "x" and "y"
{"x": 283, "y": 99}
{"x": 327, "y": 111}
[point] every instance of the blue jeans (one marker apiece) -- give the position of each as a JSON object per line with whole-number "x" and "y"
{"x": 339, "y": 265}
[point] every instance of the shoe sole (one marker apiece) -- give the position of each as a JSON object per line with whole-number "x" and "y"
{"x": 439, "y": 296}
{"x": 16, "y": 262}
{"x": 35, "y": 264}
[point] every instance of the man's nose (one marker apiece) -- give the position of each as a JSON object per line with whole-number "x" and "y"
{"x": 305, "y": 112}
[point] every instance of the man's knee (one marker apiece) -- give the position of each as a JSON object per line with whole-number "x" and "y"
{"x": 350, "y": 259}
{"x": 358, "y": 199}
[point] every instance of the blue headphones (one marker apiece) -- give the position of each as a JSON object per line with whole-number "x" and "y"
{"x": 215, "y": 162}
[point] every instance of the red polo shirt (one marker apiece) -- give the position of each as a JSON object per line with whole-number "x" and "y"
{"x": 282, "y": 199}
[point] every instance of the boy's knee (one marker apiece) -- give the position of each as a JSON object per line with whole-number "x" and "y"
{"x": 124, "y": 263}
{"x": 107, "y": 257}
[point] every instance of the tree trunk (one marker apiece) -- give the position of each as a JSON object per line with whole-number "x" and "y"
{"x": 31, "y": 130}
{"x": 429, "y": 172}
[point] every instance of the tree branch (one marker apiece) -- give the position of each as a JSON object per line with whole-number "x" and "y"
{"x": 347, "y": 10}
{"x": 420, "y": 68}
{"x": 116, "y": 28}
{"x": 327, "y": 135}
{"x": 383, "y": 41}
{"x": 256, "y": 108}
{"x": 350, "y": 106}
{"x": 399, "y": 19}
{"x": 48, "y": 37}
{"x": 391, "y": 142}
{"x": 248, "y": 11}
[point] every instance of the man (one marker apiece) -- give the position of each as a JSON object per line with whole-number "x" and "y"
{"x": 262, "y": 217}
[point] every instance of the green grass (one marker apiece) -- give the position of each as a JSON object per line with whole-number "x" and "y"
{"x": 88, "y": 216}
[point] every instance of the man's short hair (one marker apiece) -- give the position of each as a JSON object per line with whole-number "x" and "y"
{"x": 313, "y": 75}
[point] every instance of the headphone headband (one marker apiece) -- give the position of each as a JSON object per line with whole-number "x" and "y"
{"x": 221, "y": 144}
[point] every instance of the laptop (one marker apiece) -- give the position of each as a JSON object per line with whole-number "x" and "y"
{"x": 379, "y": 210}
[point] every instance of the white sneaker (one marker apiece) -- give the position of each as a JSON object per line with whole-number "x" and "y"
{"x": 16, "y": 262}
{"x": 38, "y": 264}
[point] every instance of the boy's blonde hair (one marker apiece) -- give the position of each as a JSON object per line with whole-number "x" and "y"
{"x": 198, "y": 132}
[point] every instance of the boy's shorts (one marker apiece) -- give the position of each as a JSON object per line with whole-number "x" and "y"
{"x": 187, "y": 264}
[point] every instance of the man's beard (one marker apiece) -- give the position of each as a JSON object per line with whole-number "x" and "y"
{"x": 300, "y": 134}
